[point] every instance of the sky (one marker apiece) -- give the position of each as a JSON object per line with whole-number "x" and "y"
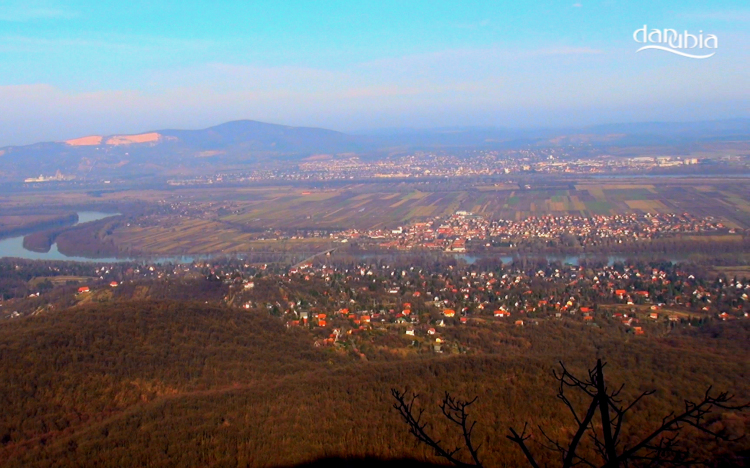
{"x": 75, "y": 68}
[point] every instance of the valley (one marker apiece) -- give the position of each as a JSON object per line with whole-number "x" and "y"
{"x": 261, "y": 317}
{"x": 364, "y": 216}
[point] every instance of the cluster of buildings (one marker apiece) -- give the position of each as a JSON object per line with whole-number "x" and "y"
{"x": 58, "y": 177}
{"x": 425, "y": 303}
{"x": 551, "y": 160}
{"x": 455, "y": 232}
{"x": 426, "y": 307}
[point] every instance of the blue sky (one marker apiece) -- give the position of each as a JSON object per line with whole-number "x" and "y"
{"x": 75, "y": 68}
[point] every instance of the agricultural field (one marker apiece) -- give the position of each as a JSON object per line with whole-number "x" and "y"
{"x": 393, "y": 205}
{"x": 245, "y": 213}
{"x": 200, "y": 220}
{"x": 188, "y": 236}
{"x": 349, "y": 209}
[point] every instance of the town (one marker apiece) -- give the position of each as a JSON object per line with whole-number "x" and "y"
{"x": 466, "y": 231}
{"x": 475, "y": 163}
{"x": 415, "y": 305}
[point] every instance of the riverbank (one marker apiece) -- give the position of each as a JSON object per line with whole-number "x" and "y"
{"x": 46, "y": 222}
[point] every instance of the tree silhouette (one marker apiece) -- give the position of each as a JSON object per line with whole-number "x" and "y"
{"x": 600, "y": 424}
{"x": 454, "y": 410}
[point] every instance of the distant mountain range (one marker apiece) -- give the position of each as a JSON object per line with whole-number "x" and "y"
{"x": 244, "y": 143}
{"x": 165, "y": 152}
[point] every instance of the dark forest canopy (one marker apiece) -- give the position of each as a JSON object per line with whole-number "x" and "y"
{"x": 170, "y": 383}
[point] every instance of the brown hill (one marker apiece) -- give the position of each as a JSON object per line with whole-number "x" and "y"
{"x": 163, "y": 383}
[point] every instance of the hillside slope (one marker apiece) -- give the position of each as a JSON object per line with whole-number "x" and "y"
{"x": 244, "y": 144}
{"x": 164, "y": 383}
{"x": 162, "y": 152}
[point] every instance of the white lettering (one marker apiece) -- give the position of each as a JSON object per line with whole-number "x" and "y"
{"x": 689, "y": 36}
{"x": 669, "y": 40}
{"x": 654, "y": 33}
{"x": 635, "y": 34}
{"x": 670, "y": 36}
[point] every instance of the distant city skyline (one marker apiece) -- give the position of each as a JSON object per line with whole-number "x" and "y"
{"x": 75, "y": 68}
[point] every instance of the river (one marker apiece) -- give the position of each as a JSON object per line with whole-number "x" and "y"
{"x": 13, "y": 247}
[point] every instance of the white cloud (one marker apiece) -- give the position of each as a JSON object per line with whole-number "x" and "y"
{"x": 24, "y": 14}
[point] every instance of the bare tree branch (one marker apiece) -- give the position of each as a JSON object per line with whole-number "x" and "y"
{"x": 454, "y": 410}
{"x": 521, "y": 441}
{"x": 693, "y": 415}
{"x": 660, "y": 448}
{"x": 568, "y": 462}
{"x": 603, "y": 401}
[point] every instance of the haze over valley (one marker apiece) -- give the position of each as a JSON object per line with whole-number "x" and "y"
{"x": 345, "y": 234}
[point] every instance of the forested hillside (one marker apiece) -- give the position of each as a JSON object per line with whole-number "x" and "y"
{"x": 166, "y": 383}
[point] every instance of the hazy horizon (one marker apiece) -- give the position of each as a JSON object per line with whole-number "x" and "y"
{"x": 406, "y": 129}
{"x": 78, "y": 68}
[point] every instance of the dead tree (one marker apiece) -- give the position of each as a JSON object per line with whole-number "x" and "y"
{"x": 661, "y": 447}
{"x": 600, "y": 424}
{"x": 455, "y": 411}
